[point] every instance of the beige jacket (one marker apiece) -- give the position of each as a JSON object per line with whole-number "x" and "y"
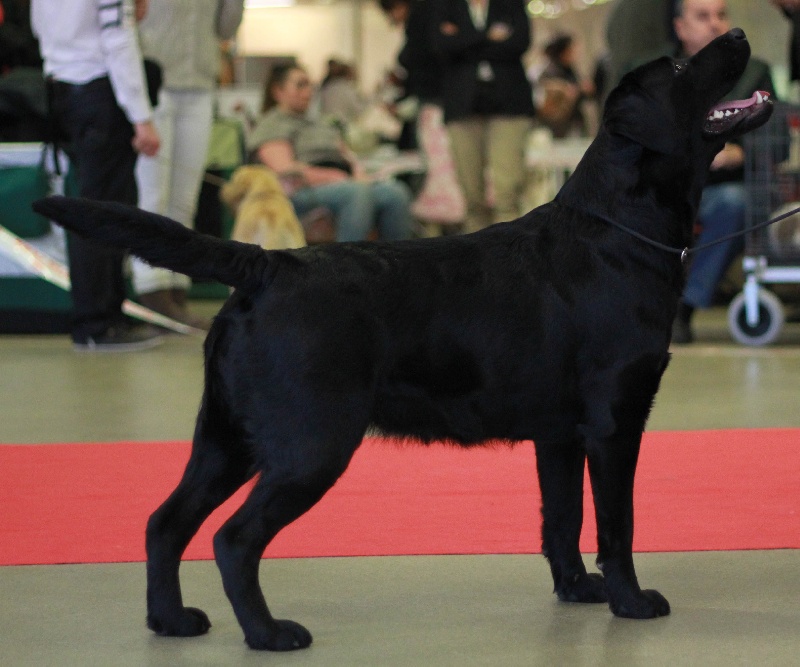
{"x": 183, "y": 37}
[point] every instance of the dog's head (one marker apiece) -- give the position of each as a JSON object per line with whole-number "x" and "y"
{"x": 670, "y": 106}
{"x": 249, "y": 179}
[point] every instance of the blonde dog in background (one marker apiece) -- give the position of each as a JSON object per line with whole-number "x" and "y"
{"x": 264, "y": 214}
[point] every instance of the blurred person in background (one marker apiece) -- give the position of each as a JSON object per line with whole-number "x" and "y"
{"x": 488, "y": 102}
{"x": 635, "y": 29}
{"x": 791, "y": 9}
{"x": 18, "y": 46}
{"x": 723, "y": 205}
{"x": 102, "y": 110}
{"x": 317, "y": 168}
{"x": 339, "y": 96}
{"x": 23, "y": 98}
{"x": 182, "y": 37}
{"x": 420, "y": 72}
{"x": 560, "y": 91}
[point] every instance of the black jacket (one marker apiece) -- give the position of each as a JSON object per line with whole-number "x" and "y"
{"x": 422, "y": 63}
{"x": 794, "y": 47}
{"x": 509, "y": 92}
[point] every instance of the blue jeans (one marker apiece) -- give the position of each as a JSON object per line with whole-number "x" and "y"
{"x": 358, "y": 207}
{"x": 721, "y": 212}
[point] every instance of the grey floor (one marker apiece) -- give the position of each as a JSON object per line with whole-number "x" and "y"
{"x": 734, "y": 608}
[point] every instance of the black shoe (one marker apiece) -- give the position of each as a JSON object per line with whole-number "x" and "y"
{"x": 120, "y": 338}
{"x": 172, "y": 304}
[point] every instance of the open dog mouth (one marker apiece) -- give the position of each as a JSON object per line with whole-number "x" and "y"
{"x": 724, "y": 117}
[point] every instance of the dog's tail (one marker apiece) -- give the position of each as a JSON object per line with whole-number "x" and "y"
{"x": 160, "y": 241}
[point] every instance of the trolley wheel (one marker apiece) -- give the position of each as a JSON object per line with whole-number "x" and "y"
{"x": 770, "y": 319}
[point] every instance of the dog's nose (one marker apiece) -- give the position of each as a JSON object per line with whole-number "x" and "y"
{"x": 737, "y": 33}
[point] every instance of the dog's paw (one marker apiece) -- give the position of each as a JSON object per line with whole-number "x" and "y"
{"x": 280, "y": 636}
{"x": 584, "y": 588}
{"x": 642, "y": 604}
{"x": 189, "y": 623}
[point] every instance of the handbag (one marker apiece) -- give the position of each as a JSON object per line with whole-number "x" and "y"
{"x": 20, "y": 186}
{"x": 154, "y": 77}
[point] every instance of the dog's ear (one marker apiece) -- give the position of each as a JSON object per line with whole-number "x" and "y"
{"x": 635, "y": 114}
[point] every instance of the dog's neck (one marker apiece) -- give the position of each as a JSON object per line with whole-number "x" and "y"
{"x": 646, "y": 183}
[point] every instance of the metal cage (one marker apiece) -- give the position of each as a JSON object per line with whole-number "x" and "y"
{"x": 772, "y": 254}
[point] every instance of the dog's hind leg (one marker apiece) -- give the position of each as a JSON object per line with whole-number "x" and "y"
{"x": 560, "y": 465}
{"x": 279, "y": 497}
{"x": 216, "y": 469}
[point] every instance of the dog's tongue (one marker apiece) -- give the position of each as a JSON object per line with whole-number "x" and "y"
{"x": 758, "y": 97}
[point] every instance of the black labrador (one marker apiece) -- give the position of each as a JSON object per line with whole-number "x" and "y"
{"x": 554, "y": 327}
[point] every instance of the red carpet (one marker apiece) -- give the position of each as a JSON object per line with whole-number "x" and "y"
{"x": 705, "y": 490}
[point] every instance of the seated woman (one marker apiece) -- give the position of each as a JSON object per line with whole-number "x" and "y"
{"x": 312, "y": 155}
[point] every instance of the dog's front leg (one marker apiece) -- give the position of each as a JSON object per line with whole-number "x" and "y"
{"x": 612, "y": 464}
{"x": 560, "y": 465}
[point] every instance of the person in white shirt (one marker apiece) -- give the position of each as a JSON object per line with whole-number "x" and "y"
{"x": 101, "y": 108}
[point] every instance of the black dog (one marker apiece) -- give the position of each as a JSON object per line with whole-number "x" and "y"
{"x": 553, "y": 327}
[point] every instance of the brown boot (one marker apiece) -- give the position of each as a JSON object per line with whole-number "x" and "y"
{"x": 160, "y": 301}
{"x": 163, "y": 302}
{"x": 179, "y": 296}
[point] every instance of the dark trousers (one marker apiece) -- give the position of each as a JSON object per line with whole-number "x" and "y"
{"x": 98, "y": 141}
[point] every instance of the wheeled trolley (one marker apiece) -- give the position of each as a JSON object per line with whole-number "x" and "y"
{"x": 772, "y": 254}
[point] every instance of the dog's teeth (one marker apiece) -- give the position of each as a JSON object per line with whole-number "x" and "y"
{"x": 735, "y": 111}
{"x": 728, "y": 113}
{"x": 718, "y": 115}
{"x": 759, "y": 99}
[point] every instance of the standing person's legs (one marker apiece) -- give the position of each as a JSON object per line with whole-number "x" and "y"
{"x": 721, "y": 212}
{"x": 393, "y": 209}
{"x": 190, "y": 154}
{"x": 154, "y": 181}
{"x": 467, "y": 144}
{"x": 194, "y": 119}
{"x": 169, "y": 184}
{"x": 350, "y": 203}
{"x": 507, "y": 141}
{"x": 100, "y": 150}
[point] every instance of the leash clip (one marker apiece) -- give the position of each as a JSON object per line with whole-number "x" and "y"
{"x": 684, "y": 255}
